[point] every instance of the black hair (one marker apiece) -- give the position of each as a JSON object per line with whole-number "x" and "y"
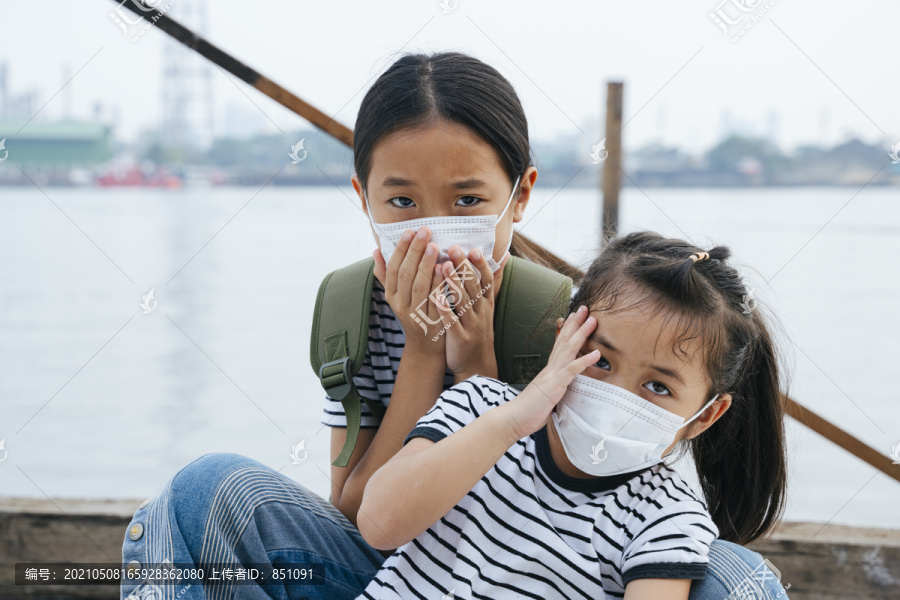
{"x": 421, "y": 89}
{"x": 741, "y": 458}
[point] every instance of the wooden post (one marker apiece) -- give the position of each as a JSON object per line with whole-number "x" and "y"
{"x": 612, "y": 166}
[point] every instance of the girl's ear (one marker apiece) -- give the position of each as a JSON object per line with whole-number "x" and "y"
{"x": 357, "y": 186}
{"x": 525, "y": 187}
{"x": 712, "y": 414}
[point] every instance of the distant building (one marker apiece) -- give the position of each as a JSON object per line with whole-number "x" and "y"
{"x": 55, "y": 146}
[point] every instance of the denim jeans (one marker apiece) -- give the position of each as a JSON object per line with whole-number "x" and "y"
{"x": 227, "y": 508}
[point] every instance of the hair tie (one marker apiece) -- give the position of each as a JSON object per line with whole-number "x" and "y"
{"x": 699, "y": 256}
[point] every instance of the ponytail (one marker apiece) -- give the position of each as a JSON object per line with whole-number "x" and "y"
{"x": 741, "y": 458}
{"x": 523, "y": 247}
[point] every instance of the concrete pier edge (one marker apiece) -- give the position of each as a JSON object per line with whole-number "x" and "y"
{"x": 821, "y": 561}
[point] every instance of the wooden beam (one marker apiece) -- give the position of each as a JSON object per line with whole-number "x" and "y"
{"x": 832, "y": 432}
{"x": 243, "y": 72}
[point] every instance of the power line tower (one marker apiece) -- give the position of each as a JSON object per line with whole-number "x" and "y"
{"x": 187, "y": 103}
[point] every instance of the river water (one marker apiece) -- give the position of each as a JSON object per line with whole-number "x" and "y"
{"x": 98, "y": 399}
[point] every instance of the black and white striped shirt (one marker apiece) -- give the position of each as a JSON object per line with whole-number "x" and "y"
{"x": 528, "y": 530}
{"x": 376, "y": 377}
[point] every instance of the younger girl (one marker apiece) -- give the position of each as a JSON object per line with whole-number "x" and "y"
{"x": 561, "y": 491}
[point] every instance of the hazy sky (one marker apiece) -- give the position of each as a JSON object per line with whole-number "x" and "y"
{"x": 811, "y": 72}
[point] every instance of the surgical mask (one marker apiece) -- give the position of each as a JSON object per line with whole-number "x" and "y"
{"x": 607, "y": 430}
{"x": 466, "y": 231}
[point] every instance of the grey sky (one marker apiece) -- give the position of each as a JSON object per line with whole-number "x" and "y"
{"x": 812, "y": 72}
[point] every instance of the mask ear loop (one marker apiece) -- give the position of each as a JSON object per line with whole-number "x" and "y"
{"x": 369, "y": 211}
{"x": 372, "y": 222}
{"x": 512, "y": 194}
{"x": 697, "y": 414}
{"x": 700, "y": 412}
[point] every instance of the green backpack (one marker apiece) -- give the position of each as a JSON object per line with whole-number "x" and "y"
{"x": 530, "y": 297}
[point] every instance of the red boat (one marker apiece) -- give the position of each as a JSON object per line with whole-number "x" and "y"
{"x": 134, "y": 176}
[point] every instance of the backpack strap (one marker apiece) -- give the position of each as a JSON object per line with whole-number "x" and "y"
{"x": 530, "y": 299}
{"x": 340, "y": 334}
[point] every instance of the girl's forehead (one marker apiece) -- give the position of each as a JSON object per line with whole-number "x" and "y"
{"x": 644, "y": 330}
{"x": 448, "y": 149}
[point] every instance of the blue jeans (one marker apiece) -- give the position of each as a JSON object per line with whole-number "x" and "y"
{"x": 227, "y": 508}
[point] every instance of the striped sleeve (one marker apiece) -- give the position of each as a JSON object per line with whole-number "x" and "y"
{"x": 673, "y": 544}
{"x": 457, "y": 407}
{"x": 333, "y": 413}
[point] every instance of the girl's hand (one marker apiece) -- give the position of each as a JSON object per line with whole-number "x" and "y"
{"x": 530, "y": 410}
{"x": 409, "y": 278}
{"x": 469, "y": 324}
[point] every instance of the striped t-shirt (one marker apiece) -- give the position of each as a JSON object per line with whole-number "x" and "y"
{"x": 528, "y": 530}
{"x": 376, "y": 377}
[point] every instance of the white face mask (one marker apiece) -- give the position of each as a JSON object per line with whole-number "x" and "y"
{"x": 467, "y": 232}
{"x": 607, "y": 430}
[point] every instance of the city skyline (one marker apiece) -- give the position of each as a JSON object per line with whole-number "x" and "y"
{"x": 832, "y": 102}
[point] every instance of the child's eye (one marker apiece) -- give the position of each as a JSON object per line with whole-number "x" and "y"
{"x": 402, "y": 202}
{"x": 664, "y": 391}
{"x": 601, "y": 362}
{"x": 469, "y": 201}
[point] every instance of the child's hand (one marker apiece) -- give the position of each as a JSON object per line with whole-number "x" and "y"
{"x": 469, "y": 326}
{"x": 409, "y": 277}
{"x": 535, "y": 403}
